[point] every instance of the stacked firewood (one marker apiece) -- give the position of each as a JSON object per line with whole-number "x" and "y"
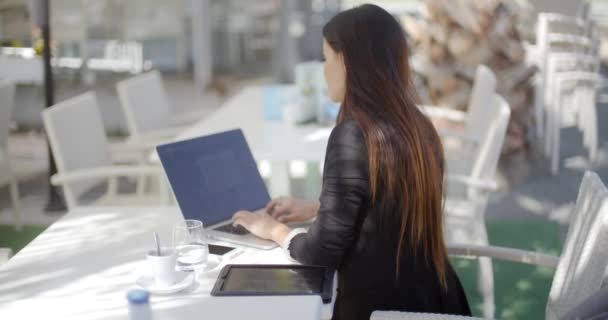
{"x": 451, "y": 37}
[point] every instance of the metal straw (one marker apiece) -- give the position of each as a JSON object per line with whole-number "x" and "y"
{"x": 157, "y": 242}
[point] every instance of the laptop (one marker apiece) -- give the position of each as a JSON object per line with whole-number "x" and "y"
{"x": 213, "y": 177}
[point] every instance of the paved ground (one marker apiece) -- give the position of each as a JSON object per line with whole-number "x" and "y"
{"x": 530, "y": 191}
{"x": 535, "y": 193}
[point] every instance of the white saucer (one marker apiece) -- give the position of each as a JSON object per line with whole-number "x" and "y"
{"x": 183, "y": 281}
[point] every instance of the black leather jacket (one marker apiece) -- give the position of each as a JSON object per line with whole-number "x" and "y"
{"x": 348, "y": 236}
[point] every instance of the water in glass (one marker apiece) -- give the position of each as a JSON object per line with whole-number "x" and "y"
{"x": 190, "y": 241}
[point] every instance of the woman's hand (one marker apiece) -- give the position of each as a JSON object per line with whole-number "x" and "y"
{"x": 262, "y": 225}
{"x": 288, "y": 209}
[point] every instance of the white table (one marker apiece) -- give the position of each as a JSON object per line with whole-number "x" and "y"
{"x": 21, "y": 70}
{"x": 82, "y": 266}
{"x": 274, "y": 141}
{"x": 268, "y": 140}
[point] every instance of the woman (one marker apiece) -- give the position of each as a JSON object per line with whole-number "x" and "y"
{"x": 379, "y": 216}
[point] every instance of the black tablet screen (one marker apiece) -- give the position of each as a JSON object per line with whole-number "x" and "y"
{"x": 278, "y": 281}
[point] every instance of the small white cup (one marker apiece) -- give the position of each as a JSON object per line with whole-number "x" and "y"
{"x": 163, "y": 266}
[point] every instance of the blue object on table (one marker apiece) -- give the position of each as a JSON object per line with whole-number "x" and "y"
{"x": 275, "y": 97}
{"x": 138, "y": 296}
{"x": 139, "y": 308}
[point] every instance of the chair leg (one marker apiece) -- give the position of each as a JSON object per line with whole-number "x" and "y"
{"x": 486, "y": 287}
{"x": 112, "y": 186}
{"x": 14, "y": 190}
{"x": 485, "y": 276}
{"x": 140, "y": 187}
{"x": 555, "y": 152}
{"x": 548, "y": 138}
{"x": 538, "y": 109}
{"x": 556, "y": 130}
{"x": 591, "y": 127}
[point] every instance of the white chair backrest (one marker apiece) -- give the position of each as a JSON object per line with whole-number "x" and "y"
{"x": 553, "y": 32}
{"x": 144, "y": 101}
{"x": 484, "y": 86}
{"x": 78, "y": 140}
{"x": 488, "y": 152}
{"x": 584, "y": 258}
{"x": 584, "y": 12}
{"x": 7, "y": 104}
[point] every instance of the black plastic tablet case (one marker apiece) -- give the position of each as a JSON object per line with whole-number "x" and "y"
{"x": 327, "y": 281}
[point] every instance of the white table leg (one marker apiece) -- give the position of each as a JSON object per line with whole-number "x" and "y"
{"x": 313, "y": 180}
{"x": 5, "y": 254}
{"x": 279, "y": 184}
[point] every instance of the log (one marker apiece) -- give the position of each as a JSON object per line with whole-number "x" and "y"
{"x": 437, "y": 52}
{"x": 448, "y": 83}
{"x": 486, "y": 6}
{"x": 423, "y": 66}
{"x": 516, "y": 76}
{"x": 430, "y": 11}
{"x": 480, "y": 54}
{"x": 503, "y": 24}
{"x": 514, "y": 8}
{"x": 420, "y": 31}
{"x": 512, "y": 144}
{"x": 452, "y": 37}
{"x": 460, "y": 42}
{"x": 415, "y": 28}
{"x": 422, "y": 90}
{"x": 438, "y": 33}
{"x": 513, "y": 49}
{"x": 456, "y": 99}
{"x": 461, "y": 12}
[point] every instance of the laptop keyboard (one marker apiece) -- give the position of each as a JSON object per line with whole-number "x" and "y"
{"x": 229, "y": 228}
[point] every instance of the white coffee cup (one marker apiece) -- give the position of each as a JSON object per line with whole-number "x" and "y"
{"x": 163, "y": 266}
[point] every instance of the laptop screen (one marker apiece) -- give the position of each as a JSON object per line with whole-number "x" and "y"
{"x": 213, "y": 176}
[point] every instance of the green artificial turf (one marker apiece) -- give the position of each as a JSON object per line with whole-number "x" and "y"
{"x": 521, "y": 290}
{"x": 10, "y": 238}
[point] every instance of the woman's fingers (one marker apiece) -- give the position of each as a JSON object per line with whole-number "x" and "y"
{"x": 279, "y": 211}
{"x": 286, "y": 218}
{"x": 270, "y": 206}
{"x": 241, "y": 218}
{"x": 291, "y": 218}
{"x": 281, "y": 207}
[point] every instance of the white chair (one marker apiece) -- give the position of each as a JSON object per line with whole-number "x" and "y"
{"x": 150, "y": 119}
{"x": 475, "y": 125}
{"x": 78, "y": 141}
{"x": 7, "y": 104}
{"x": 575, "y": 38}
{"x": 558, "y": 63}
{"x": 583, "y": 99}
{"x": 468, "y": 193}
{"x": 580, "y": 269}
{"x": 561, "y": 57}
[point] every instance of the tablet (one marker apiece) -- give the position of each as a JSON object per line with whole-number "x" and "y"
{"x": 274, "y": 280}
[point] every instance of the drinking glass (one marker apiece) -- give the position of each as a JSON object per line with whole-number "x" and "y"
{"x": 190, "y": 242}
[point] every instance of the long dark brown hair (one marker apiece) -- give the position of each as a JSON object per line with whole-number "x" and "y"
{"x": 405, "y": 153}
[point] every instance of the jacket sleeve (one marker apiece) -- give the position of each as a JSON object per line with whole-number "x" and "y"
{"x": 344, "y": 194}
